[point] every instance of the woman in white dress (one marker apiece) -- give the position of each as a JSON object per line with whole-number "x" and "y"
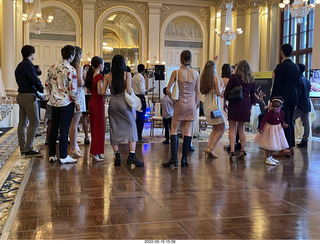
{"x": 211, "y": 87}
{"x": 73, "y": 131}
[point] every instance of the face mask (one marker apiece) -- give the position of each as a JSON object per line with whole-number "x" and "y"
{"x": 277, "y": 110}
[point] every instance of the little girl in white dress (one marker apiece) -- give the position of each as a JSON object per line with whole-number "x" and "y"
{"x": 271, "y": 135}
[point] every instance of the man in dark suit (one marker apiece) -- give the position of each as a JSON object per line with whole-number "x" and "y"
{"x": 286, "y": 79}
{"x": 304, "y": 106}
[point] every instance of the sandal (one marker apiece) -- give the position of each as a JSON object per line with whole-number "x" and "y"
{"x": 242, "y": 155}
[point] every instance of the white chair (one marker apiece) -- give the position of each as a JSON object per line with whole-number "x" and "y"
{"x": 203, "y": 124}
{"x": 156, "y": 122}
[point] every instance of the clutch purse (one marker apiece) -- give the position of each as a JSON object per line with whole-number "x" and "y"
{"x": 215, "y": 114}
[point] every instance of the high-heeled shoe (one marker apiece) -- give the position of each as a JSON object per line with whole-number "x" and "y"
{"x": 211, "y": 154}
{"x": 101, "y": 156}
{"x": 232, "y": 157}
{"x": 242, "y": 155}
{"x": 77, "y": 153}
{"x": 96, "y": 158}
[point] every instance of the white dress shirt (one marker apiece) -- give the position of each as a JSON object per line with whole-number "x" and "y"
{"x": 138, "y": 84}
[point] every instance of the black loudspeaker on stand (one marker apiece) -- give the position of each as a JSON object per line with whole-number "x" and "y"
{"x": 159, "y": 74}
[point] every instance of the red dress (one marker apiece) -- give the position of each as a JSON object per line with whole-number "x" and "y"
{"x": 97, "y": 118}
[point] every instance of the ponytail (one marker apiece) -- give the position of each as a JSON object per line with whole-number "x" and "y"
{"x": 95, "y": 62}
{"x": 89, "y": 77}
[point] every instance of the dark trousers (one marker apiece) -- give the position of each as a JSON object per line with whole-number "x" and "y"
{"x": 167, "y": 126}
{"x": 288, "y": 109}
{"x": 141, "y": 116}
{"x": 61, "y": 119}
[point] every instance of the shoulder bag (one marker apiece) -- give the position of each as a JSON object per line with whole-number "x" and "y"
{"x": 133, "y": 101}
{"x": 175, "y": 89}
{"x": 235, "y": 94}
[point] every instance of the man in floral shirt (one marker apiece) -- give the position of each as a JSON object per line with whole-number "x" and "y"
{"x": 61, "y": 91}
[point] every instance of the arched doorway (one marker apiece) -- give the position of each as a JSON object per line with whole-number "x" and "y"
{"x": 64, "y": 30}
{"x": 124, "y": 31}
{"x": 180, "y": 31}
{"x": 121, "y": 36}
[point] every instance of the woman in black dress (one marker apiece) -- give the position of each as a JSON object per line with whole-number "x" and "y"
{"x": 239, "y": 111}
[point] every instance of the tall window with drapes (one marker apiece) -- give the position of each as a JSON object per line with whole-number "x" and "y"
{"x": 299, "y": 36}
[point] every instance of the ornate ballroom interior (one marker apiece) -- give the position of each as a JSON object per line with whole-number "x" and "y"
{"x": 212, "y": 199}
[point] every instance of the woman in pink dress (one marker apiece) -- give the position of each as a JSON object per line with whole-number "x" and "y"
{"x": 185, "y": 108}
{"x": 94, "y": 81}
{"x": 271, "y": 136}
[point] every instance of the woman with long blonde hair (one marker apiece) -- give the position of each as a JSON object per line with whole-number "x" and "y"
{"x": 239, "y": 111}
{"x": 211, "y": 87}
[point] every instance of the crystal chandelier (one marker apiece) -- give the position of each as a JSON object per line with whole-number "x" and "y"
{"x": 299, "y": 9}
{"x": 106, "y": 49}
{"x": 36, "y": 20}
{"x": 228, "y": 35}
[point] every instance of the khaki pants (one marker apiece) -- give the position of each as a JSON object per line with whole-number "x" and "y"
{"x": 28, "y": 112}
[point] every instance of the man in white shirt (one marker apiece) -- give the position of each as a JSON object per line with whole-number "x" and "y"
{"x": 138, "y": 86}
{"x": 61, "y": 89}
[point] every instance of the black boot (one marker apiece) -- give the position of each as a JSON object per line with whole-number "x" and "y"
{"x": 185, "y": 150}
{"x": 132, "y": 159}
{"x": 174, "y": 152}
{"x": 117, "y": 161}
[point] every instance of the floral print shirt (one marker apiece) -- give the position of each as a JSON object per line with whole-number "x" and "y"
{"x": 61, "y": 85}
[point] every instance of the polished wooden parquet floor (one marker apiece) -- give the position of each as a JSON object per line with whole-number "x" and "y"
{"x": 211, "y": 199}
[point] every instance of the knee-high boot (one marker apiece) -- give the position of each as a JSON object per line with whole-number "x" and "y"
{"x": 174, "y": 152}
{"x": 185, "y": 150}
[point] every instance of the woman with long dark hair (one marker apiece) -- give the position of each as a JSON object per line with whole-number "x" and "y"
{"x": 94, "y": 81}
{"x": 122, "y": 123}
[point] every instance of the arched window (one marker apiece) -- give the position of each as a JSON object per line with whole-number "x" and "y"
{"x": 299, "y": 36}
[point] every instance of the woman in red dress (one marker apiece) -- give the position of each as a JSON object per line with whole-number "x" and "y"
{"x": 94, "y": 81}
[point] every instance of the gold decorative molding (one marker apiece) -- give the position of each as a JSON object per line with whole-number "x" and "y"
{"x": 75, "y": 5}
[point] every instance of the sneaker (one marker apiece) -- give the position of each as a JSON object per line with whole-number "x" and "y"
{"x": 53, "y": 159}
{"x": 270, "y": 162}
{"x": 32, "y": 153}
{"x": 274, "y": 160}
{"x": 68, "y": 159}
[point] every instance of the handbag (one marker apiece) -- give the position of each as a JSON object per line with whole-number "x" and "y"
{"x": 235, "y": 94}
{"x": 175, "y": 90}
{"x": 133, "y": 101}
{"x": 215, "y": 114}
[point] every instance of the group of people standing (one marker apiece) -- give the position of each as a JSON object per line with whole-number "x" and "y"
{"x": 67, "y": 80}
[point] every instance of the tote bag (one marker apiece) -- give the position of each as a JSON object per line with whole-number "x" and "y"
{"x": 175, "y": 89}
{"x": 133, "y": 101}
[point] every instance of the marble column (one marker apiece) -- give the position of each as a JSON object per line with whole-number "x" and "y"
{"x": 8, "y": 50}
{"x": 154, "y": 31}
{"x": 88, "y": 29}
{"x": 213, "y": 35}
{"x": 223, "y": 48}
{"x": 254, "y": 39}
{"x": 316, "y": 40}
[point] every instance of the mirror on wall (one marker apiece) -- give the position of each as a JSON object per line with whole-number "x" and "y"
{"x": 121, "y": 36}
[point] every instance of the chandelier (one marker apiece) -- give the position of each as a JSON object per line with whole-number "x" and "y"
{"x": 228, "y": 35}
{"x": 298, "y": 9}
{"x": 36, "y": 20}
{"x": 106, "y": 49}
